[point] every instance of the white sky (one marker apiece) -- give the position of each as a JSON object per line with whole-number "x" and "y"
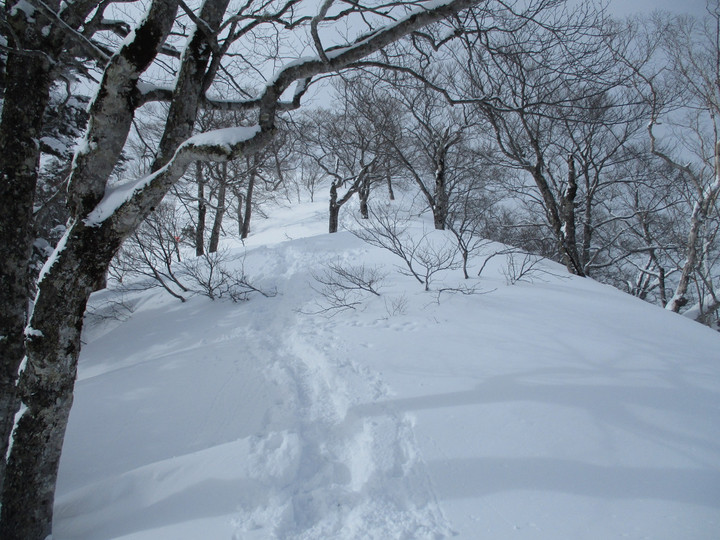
{"x": 631, "y": 7}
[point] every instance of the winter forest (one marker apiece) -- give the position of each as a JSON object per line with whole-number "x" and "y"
{"x": 146, "y": 144}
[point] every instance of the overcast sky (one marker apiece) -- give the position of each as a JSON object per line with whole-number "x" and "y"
{"x": 630, "y": 7}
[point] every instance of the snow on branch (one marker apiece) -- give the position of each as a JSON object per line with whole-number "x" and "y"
{"x": 365, "y": 45}
{"x": 124, "y": 204}
{"x": 216, "y": 145}
{"x": 92, "y": 50}
{"x": 333, "y": 59}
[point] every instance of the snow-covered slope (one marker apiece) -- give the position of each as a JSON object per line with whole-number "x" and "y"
{"x": 557, "y": 409}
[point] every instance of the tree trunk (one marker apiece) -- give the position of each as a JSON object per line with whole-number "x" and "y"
{"x": 248, "y": 201}
{"x": 202, "y": 211}
{"x": 567, "y": 208}
{"x": 440, "y": 205}
{"x": 391, "y": 193}
{"x": 364, "y": 195}
{"x": 26, "y": 96}
{"x": 239, "y": 210}
{"x": 588, "y": 220}
{"x": 24, "y": 103}
{"x": 334, "y": 210}
{"x": 53, "y": 345}
{"x": 680, "y": 299}
{"x": 567, "y": 254}
{"x": 46, "y": 384}
{"x": 697, "y": 218}
{"x": 219, "y": 213}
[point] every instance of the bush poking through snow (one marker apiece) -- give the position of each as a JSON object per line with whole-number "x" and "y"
{"x": 217, "y": 276}
{"x": 524, "y": 267}
{"x": 345, "y": 287}
{"x": 152, "y": 258}
{"x": 424, "y": 255}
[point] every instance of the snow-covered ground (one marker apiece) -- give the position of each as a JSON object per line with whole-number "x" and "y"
{"x": 552, "y": 409}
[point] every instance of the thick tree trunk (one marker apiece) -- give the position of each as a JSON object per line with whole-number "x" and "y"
{"x": 28, "y": 76}
{"x": 46, "y": 384}
{"x": 54, "y": 341}
{"x": 26, "y": 96}
{"x": 25, "y": 100}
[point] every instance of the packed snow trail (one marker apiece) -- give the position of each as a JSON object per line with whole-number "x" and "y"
{"x": 248, "y": 432}
{"x": 558, "y": 408}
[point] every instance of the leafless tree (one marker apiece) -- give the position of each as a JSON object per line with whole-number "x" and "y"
{"x": 532, "y": 86}
{"x": 346, "y": 148}
{"x": 343, "y": 287}
{"x": 431, "y": 148}
{"x": 693, "y": 50}
{"x": 424, "y": 255}
{"x": 153, "y": 252}
{"x": 102, "y": 216}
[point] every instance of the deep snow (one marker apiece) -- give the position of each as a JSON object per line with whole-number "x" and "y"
{"x": 552, "y": 409}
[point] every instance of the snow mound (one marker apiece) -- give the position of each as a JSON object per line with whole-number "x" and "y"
{"x": 553, "y": 408}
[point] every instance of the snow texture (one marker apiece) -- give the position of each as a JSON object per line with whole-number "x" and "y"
{"x": 225, "y": 137}
{"x": 26, "y": 7}
{"x": 554, "y": 409}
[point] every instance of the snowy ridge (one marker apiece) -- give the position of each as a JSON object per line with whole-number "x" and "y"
{"x": 557, "y": 408}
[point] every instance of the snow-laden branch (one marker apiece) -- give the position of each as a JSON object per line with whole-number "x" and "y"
{"x": 217, "y": 145}
{"x": 127, "y": 204}
{"x": 327, "y": 61}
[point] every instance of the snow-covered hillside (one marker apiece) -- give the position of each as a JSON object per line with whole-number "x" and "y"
{"x": 552, "y": 409}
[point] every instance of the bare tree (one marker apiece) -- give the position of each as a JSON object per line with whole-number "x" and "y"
{"x": 343, "y": 287}
{"x": 424, "y": 255}
{"x": 693, "y": 49}
{"x": 430, "y": 148}
{"x": 532, "y": 86}
{"x": 345, "y": 147}
{"x": 102, "y": 216}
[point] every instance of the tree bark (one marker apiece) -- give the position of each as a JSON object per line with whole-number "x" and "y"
{"x": 334, "y": 216}
{"x": 567, "y": 207}
{"x": 440, "y": 200}
{"x": 248, "y": 200}
{"x": 46, "y": 384}
{"x": 30, "y": 69}
{"x": 54, "y": 337}
{"x": 202, "y": 211}
{"x": 25, "y": 100}
{"x": 364, "y": 195}
{"x": 219, "y": 211}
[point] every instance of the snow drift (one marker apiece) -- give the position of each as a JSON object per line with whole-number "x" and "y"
{"x": 550, "y": 408}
